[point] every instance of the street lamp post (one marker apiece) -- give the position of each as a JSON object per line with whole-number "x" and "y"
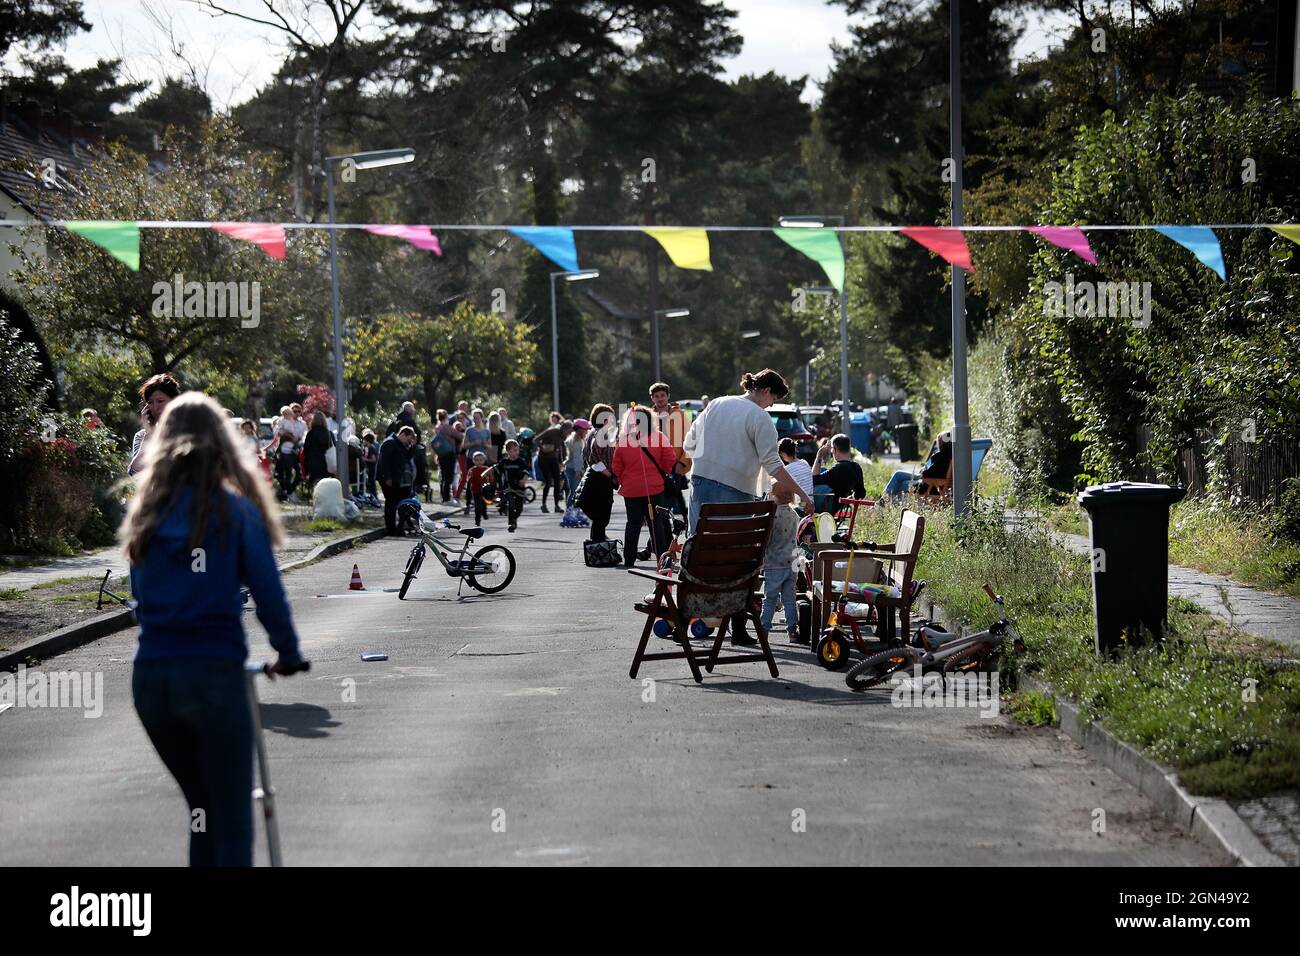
{"x": 961, "y": 463}
{"x": 816, "y": 222}
{"x": 654, "y": 336}
{"x": 367, "y": 160}
{"x": 569, "y": 276}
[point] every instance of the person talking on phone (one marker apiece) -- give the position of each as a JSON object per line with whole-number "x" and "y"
{"x": 202, "y": 524}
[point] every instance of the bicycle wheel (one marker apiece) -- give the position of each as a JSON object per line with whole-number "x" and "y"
{"x": 412, "y": 569}
{"x": 875, "y": 669}
{"x": 494, "y": 568}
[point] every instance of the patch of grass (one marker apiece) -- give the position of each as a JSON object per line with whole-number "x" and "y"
{"x": 1232, "y": 541}
{"x": 76, "y": 597}
{"x": 59, "y": 582}
{"x": 1032, "y": 708}
{"x": 325, "y": 524}
{"x": 11, "y": 595}
{"x": 1220, "y": 706}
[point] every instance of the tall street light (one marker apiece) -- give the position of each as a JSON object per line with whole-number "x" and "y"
{"x": 367, "y": 160}
{"x": 579, "y": 276}
{"x": 818, "y": 222}
{"x": 961, "y": 463}
{"x": 654, "y": 335}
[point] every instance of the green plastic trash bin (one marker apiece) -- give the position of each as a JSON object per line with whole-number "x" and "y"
{"x": 1130, "y": 559}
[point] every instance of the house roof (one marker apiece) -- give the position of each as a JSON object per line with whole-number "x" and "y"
{"x": 31, "y": 145}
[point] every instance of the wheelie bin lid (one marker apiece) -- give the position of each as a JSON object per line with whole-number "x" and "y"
{"x": 906, "y": 427}
{"x": 1129, "y": 493}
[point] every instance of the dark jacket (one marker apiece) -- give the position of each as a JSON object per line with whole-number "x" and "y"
{"x": 314, "y": 447}
{"x": 396, "y": 463}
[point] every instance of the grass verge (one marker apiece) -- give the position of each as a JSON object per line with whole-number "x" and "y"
{"x": 1221, "y": 707}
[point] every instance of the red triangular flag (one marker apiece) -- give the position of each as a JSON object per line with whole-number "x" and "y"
{"x": 269, "y": 236}
{"x": 945, "y": 240}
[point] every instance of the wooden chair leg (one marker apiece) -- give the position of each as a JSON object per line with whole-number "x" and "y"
{"x": 661, "y": 592}
{"x": 761, "y": 633}
{"x": 723, "y": 627}
{"x": 683, "y": 634}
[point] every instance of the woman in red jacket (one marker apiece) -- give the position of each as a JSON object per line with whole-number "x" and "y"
{"x": 641, "y": 458}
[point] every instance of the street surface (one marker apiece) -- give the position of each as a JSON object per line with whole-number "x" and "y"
{"x": 504, "y": 730}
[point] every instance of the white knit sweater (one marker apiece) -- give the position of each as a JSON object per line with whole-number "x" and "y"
{"x": 731, "y": 442}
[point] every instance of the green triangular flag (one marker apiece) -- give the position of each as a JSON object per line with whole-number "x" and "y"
{"x": 820, "y": 245}
{"x": 120, "y": 237}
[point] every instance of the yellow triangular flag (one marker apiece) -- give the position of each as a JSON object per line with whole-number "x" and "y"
{"x": 688, "y": 248}
{"x": 1288, "y": 232}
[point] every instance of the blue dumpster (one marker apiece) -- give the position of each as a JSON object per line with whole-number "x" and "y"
{"x": 860, "y": 432}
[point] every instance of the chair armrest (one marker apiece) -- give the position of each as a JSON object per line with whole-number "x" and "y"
{"x": 886, "y": 555}
{"x": 652, "y": 575}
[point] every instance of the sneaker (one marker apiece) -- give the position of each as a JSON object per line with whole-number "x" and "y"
{"x": 643, "y": 555}
{"x": 544, "y": 511}
{"x": 511, "y": 529}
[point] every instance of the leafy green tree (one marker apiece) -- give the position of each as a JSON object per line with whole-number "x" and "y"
{"x": 443, "y": 356}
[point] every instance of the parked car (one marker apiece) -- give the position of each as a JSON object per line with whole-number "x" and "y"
{"x": 790, "y": 424}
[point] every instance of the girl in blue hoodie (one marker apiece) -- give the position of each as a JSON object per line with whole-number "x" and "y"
{"x": 203, "y": 522}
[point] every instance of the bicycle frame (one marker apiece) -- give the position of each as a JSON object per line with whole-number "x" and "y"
{"x": 459, "y": 567}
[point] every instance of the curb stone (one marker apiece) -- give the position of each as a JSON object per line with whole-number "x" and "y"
{"x": 84, "y": 632}
{"x": 1209, "y": 820}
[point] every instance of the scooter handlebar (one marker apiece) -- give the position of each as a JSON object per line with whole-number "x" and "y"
{"x": 264, "y": 667}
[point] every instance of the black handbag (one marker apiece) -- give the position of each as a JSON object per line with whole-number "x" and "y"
{"x": 601, "y": 554}
{"x": 671, "y": 496}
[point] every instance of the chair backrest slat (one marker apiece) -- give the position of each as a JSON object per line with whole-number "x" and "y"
{"x": 728, "y": 543}
{"x": 911, "y": 531}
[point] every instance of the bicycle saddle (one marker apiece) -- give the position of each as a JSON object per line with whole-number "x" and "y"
{"x": 473, "y": 532}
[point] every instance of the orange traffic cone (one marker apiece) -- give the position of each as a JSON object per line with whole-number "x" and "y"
{"x": 356, "y": 584}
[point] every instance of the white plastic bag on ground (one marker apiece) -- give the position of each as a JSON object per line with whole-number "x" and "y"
{"x": 327, "y": 497}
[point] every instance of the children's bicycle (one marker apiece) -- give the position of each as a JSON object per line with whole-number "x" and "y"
{"x": 937, "y": 651}
{"x": 489, "y": 570}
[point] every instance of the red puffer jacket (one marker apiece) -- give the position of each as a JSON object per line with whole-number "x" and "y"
{"x": 637, "y": 476}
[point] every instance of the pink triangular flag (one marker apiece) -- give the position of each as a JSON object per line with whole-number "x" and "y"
{"x": 945, "y": 240}
{"x": 421, "y": 237}
{"x": 269, "y": 236}
{"x": 1067, "y": 237}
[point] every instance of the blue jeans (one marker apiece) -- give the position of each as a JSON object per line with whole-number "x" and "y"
{"x": 706, "y": 491}
{"x": 196, "y": 712}
{"x": 898, "y": 484}
{"x": 571, "y": 479}
{"x": 778, "y": 584}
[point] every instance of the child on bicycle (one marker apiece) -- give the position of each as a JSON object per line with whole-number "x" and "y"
{"x": 778, "y": 564}
{"x": 480, "y": 481}
{"x": 509, "y": 475}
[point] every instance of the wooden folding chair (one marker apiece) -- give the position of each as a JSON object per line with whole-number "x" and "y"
{"x": 722, "y": 565}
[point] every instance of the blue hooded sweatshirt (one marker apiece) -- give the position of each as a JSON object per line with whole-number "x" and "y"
{"x": 189, "y": 604}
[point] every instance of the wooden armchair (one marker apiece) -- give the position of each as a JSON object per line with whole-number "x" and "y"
{"x": 721, "y": 569}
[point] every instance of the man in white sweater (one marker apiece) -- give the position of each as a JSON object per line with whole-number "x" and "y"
{"x": 733, "y": 441}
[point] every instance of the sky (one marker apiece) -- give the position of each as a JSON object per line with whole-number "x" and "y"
{"x": 234, "y": 59}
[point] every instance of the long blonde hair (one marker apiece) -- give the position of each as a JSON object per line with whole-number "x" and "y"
{"x": 194, "y": 446}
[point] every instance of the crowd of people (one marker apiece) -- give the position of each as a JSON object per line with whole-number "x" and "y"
{"x": 205, "y": 488}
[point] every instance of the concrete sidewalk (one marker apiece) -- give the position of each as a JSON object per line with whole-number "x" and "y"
{"x": 297, "y": 544}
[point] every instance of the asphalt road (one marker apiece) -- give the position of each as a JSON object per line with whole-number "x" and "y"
{"x": 505, "y": 730}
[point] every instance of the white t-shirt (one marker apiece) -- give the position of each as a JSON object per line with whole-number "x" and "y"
{"x": 801, "y": 472}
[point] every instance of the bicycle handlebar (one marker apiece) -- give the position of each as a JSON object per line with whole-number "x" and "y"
{"x": 989, "y": 591}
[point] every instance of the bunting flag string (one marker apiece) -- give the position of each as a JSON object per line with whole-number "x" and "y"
{"x": 821, "y": 245}
{"x": 554, "y": 242}
{"x": 120, "y": 238}
{"x": 1201, "y": 242}
{"x": 421, "y": 237}
{"x": 269, "y": 236}
{"x": 1070, "y": 238}
{"x": 687, "y": 246}
{"x": 947, "y": 241}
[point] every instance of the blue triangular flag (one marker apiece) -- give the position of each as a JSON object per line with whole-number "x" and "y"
{"x": 554, "y": 242}
{"x": 1202, "y": 242}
